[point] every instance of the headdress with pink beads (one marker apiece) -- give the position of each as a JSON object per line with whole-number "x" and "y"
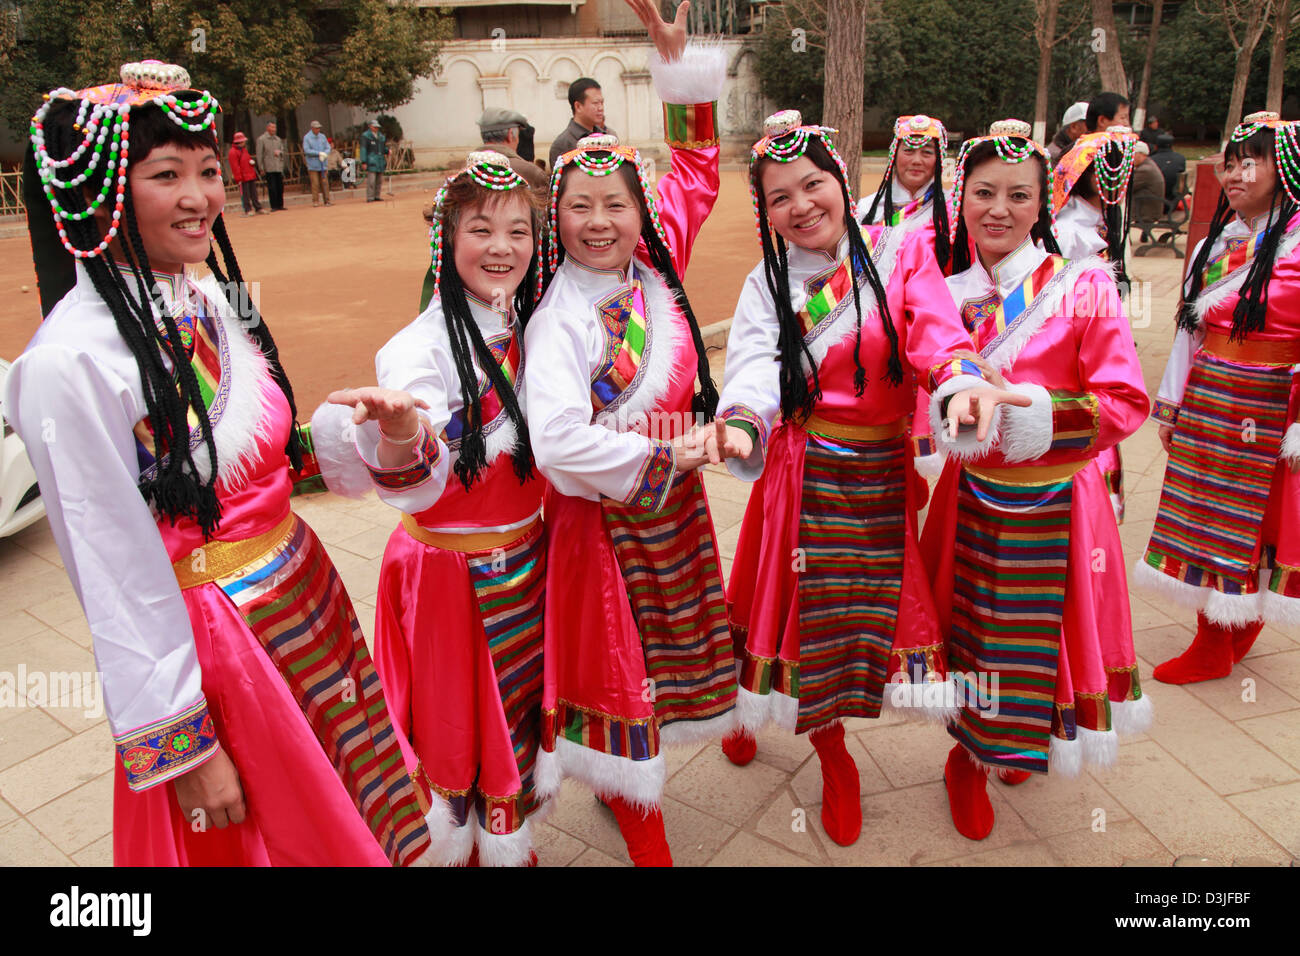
{"x": 1012, "y": 139}
{"x": 785, "y": 139}
{"x": 1286, "y": 148}
{"x": 487, "y": 168}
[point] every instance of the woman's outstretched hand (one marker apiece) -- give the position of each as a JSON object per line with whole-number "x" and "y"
{"x": 975, "y": 406}
{"x": 669, "y": 38}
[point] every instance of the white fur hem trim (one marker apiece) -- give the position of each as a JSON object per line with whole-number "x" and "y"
{"x": 753, "y": 711}
{"x": 1229, "y": 610}
{"x": 1130, "y": 717}
{"x": 639, "y": 782}
{"x": 785, "y": 711}
{"x": 547, "y": 775}
{"x": 1280, "y": 609}
{"x": 1089, "y": 748}
{"x": 1027, "y": 432}
{"x": 934, "y": 702}
{"x": 451, "y": 845}
{"x": 697, "y": 77}
{"x": 929, "y": 466}
{"x": 334, "y": 436}
{"x": 1291, "y": 444}
{"x": 1117, "y": 506}
{"x": 682, "y": 732}
{"x": 504, "y": 849}
{"x": 965, "y": 446}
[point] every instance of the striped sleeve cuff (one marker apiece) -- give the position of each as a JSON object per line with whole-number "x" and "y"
{"x": 650, "y": 490}
{"x": 168, "y": 748}
{"x": 413, "y": 473}
{"x": 1076, "y": 417}
{"x": 692, "y": 126}
{"x": 944, "y": 371}
{"x": 1166, "y": 413}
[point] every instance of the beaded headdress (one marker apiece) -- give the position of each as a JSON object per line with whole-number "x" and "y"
{"x": 915, "y": 131}
{"x": 487, "y": 168}
{"x": 785, "y": 139}
{"x": 596, "y": 155}
{"x": 1093, "y": 151}
{"x": 103, "y": 119}
{"x": 1012, "y": 139}
{"x": 1286, "y": 150}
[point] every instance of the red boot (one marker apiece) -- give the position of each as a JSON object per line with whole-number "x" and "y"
{"x": 740, "y": 747}
{"x": 1243, "y": 639}
{"x": 642, "y": 832}
{"x": 1012, "y": 777}
{"x": 841, "y": 795}
{"x": 968, "y": 798}
{"x": 1208, "y": 658}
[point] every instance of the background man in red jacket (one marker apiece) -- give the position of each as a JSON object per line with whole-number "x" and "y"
{"x": 243, "y": 171}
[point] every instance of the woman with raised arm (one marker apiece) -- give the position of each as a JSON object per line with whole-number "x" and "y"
{"x": 1227, "y": 536}
{"x": 637, "y": 649}
{"x": 250, "y": 725}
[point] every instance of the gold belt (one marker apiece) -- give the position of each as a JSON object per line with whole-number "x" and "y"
{"x": 821, "y": 426}
{"x": 1252, "y": 351}
{"x": 466, "y": 543}
{"x": 221, "y": 559}
{"x": 1030, "y": 474}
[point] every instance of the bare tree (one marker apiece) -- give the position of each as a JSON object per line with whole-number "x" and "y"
{"x": 1282, "y": 21}
{"x": 1105, "y": 43}
{"x": 1140, "y": 108}
{"x": 807, "y": 15}
{"x": 1045, "y": 33}
{"x": 1245, "y": 22}
{"x": 846, "y": 49}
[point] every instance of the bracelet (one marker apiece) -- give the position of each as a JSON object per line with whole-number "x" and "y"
{"x": 419, "y": 430}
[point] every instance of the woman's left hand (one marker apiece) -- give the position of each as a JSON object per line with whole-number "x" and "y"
{"x": 669, "y": 38}
{"x": 975, "y": 406}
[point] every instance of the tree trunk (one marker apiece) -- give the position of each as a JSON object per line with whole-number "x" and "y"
{"x": 1110, "y": 65}
{"x": 846, "y": 50}
{"x": 1277, "y": 58}
{"x": 1253, "y": 29}
{"x": 1045, "y": 33}
{"x": 1140, "y": 112}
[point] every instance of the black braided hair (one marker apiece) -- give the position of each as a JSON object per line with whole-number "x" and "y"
{"x": 1252, "y": 303}
{"x": 704, "y": 404}
{"x": 175, "y": 489}
{"x": 468, "y": 344}
{"x": 939, "y": 212}
{"x": 1113, "y": 216}
{"x": 1040, "y": 232}
{"x": 801, "y": 389}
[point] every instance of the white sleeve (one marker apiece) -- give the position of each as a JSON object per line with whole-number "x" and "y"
{"x": 1174, "y": 382}
{"x": 579, "y": 458}
{"x": 72, "y": 416}
{"x": 751, "y": 386}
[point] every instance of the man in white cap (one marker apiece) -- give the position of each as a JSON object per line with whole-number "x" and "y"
{"x": 1073, "y": 125}
{"x": 315, "y": 150}
{"x": 374, "y": 160}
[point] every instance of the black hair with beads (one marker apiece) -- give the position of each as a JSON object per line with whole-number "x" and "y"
{"x": 939, "y": 209}
{"x": 1115, "y": 216}
{"x": 801, "y": 388}
{"x": 168, "y": 382}
{"x": 466, "y": 338}
{"x": 1042, "y": 228}
{"x": 1252, "y": 303}
{"x": 705, "y": 402}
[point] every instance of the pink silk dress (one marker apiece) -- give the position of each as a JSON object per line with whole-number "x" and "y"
{"x": 637, "y": 650}
{"x": 1047, "y": 666}
{"x": 829, "y": 599}
{"x": 246, "y": 643}
{"x": 1226, "y": 541}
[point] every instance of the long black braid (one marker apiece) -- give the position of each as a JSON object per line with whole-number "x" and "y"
{"x": 1252, "y": 303}
{"x": 704, "y": 404}
{"x": 798, "y": 395}
{"x": 1040, "y": 232}
{"x": 466, "y": 341}
{"x": 175, "y": 488}
{"x": 938, "y": 212}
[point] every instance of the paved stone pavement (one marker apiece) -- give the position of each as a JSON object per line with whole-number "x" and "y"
{"x": 1216, "y": 778}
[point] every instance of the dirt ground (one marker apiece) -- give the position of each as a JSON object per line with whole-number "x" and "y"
{"x": 335, "y": 283}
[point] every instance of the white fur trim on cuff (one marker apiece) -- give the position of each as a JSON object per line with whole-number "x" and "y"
{"x": 1130, "y": 717}
{"x": 929, "y": 466}
{"x": 753, "y": 711}
{"x": 504, "y": 849}
{"x": 785, "y": 711}
{"x": 639, "y": 782}
{"x": 1291, "y": 444}
{"x": 965, "y": 446}
{"x": 451, "y": 845}
{"x": 1027, "y": 432}
{"x": 695, "y": 78}
{"x": 334, "y": 438}
{"x": 1090, "y": 748}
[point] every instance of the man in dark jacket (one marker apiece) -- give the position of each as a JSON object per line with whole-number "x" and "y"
{"x": 588, "y": 105}
{"x": 374, "y": 160}
{"x": 503, "y": 130}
